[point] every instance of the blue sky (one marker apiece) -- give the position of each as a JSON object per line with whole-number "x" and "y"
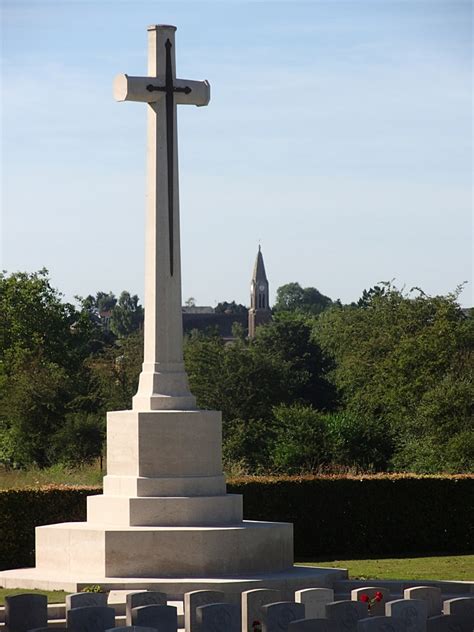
{"x": 339, "y": 134}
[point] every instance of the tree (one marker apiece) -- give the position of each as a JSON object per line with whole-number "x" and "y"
{"x": 230, "y": 308}
{"x": 289, "y": 339}
{"x": 369, "y": 295}
{"x": 292, "y": 297}
{"x": 301, "y": 441}
{"x": 42, "y": 374}
{"x": 102, "y": 301}
{"x": 406, "y": 362}
{"x": 127, "y": 315}
{"x": 115, "y": 373}
{"x": 245, "y": 385}
{"x": 190, "y": 302}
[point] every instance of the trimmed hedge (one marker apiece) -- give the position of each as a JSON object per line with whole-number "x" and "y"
{"x": 21, "y": 510}
{"x": 366, "y": 516}
{"x": 333, "y": 516}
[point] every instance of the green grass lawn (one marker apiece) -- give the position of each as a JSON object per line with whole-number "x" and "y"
{"x": 57, "y": 474}
{"x": 460, "y": 567}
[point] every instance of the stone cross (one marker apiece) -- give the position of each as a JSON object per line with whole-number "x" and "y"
{"x": 163, "y": 382}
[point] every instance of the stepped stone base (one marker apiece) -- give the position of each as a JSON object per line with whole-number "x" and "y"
{"x": 114, "y": 551}
{"x": 289, "y": 580}
{"x": 164, "y": 521}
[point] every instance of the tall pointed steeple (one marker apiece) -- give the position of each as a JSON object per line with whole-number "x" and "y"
{"x": 259, "y": 312}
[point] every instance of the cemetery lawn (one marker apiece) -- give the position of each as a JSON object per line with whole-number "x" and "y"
{"x": 54, "y": 475}
{"x": 56, "y": 596}
{"x": 454, "y": 568}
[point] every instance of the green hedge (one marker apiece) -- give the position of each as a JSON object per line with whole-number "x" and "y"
{"x": 21, "y": 510}
{"x": 333, "y": 516}
{"x": 366, "y": 516}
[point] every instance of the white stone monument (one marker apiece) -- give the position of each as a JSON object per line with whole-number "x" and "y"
{"x": 164, "y": 521}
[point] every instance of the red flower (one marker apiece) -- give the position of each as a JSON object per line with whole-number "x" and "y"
{"x": 378, "y": 596}
{"x": 364, "y": 598}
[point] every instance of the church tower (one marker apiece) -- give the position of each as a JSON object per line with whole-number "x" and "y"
{"x": 259, "y": 312}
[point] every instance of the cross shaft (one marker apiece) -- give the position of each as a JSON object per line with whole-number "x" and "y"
{"x": 163, "y": 381}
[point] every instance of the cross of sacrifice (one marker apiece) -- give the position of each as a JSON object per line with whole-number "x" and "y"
{"x": 163, "y": 382}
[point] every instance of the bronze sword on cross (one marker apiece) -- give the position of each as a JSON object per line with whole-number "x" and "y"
{"x": 169, "y": 89}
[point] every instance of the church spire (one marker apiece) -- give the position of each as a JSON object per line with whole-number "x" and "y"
{"x": 259, "y": 312}
{"x": 259, "y": 267}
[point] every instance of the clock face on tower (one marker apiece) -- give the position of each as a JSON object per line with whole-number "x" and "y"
{"x": 261, "y": 288}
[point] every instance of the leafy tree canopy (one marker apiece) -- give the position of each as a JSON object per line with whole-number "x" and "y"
{"x": 230, "y": 308}
{"x": 409, "y": 362}
{"x": 292, "y": 297}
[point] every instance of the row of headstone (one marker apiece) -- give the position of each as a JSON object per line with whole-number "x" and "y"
{"x": 207, "y": 611}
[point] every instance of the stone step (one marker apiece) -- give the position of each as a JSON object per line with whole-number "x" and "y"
{"x": 165, "y": 511}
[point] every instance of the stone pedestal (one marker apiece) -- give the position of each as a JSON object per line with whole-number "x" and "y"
{"x": 165, "y": 522}
{"x": 164, "y": 511}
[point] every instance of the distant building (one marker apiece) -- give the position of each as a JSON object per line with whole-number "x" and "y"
{"x": 206, "y": 322}
{"x": 259, "y": 312}
{"x": 206, "y": 319}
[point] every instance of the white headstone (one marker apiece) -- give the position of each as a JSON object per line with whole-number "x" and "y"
{"x": 278, "y": 616}
{"x": 413, "y": 613}
{"x": 447, "y": 623}
{"x": 83, "y": 599}
{"x": 163, "y": 618}
{"x": 313, "y": 625}
{"x": 194, "y": 599}
{"x": 144, "y": 598}
{"x": 375, "y": 606}
{"x": 380, "y": 624}
{"x": 90, "y": 619}
{"x": 430, "y": 594}
{"x": 315, "y": 600}
{"x": 26, "y": 611}
{"x": 219, "y": 617}
{"x": 346, "y": 614}
{"x": 252, "y": 602}
{"x": 461, "y": 606}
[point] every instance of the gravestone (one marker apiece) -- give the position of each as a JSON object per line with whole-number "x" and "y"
{"x": 130, "y": 628}
{"x": 163, "y": 618}
{"x": 461, "y": 606}
{"x": 277, "y": 616}
{"x": 346, "y": 614}
{"x": 219, "y": 617}
{"x": 413, "y": 613}
{"x": 447, "y": 623}
{"x": 83, "y": 599}
{"x": 26, "y": 611}
{"x": 315, "y": 600}
{"x": 430, "y": 594}
{"x": 193, "y": 600}
{"x": 90, "y": 619}
{"x": 380, "y": 624}
{"x": 377, "y": 608}
{"x": 313, "y": 625}
{"x": 145, "y": 598}
{"x": 252, "y": 602}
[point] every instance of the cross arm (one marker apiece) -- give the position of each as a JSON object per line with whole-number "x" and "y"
{"x": 137, "y": 89}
